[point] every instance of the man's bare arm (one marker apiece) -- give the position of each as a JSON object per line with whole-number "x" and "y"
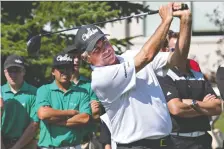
{"x": 178, "y": 108}
{"x": 183, "y": 107}
{"x": 95, "y": 107}
{"x": 179, "y": 56}
{"x": 51, "y": 115}
{"x": 77, "y": 120}
{"x": 209, "y": 106}
{"x": 27, "y": 136}
{"x": 153, "y": 45}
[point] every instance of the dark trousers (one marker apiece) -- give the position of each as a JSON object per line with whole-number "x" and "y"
{"x": 201, "y": 142}
{"x": 9, "y": 142}
{"x": 163, "y": 143}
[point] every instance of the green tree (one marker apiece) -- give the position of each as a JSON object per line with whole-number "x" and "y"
{"x": 22, "y": 20}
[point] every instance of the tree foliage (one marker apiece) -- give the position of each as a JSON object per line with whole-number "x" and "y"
{"x": 24, "y": 19}
{"x": 217, "y": 17}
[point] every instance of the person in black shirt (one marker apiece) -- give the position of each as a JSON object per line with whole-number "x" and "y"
{"x": 191, "y": 100}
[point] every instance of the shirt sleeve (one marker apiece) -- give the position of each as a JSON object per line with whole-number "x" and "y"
{"x": 110, "y": 82}
{"x": 84, "y": 106}
{"x": 160, "y": 61}
{"x": 33, "y": 113}
{"x": 42, "y": 98}
{"x": 93, "y": 95}
{"x": 169, "y": 89}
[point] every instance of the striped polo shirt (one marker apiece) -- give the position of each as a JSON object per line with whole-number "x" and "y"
{"x": 192, "y": 86}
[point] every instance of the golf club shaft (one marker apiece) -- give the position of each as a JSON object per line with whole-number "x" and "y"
{"x": 151, "y": 12}
{"x": 113, "y": 20}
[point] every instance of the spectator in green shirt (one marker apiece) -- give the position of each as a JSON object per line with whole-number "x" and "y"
{"x": 83, "y": 82}
{"x": 62, "y": 107}
{"x": 19, "y": 121}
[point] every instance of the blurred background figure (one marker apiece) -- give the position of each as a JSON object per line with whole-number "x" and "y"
{"x": 171, "y": 43}
{"x": 89, "y": 131}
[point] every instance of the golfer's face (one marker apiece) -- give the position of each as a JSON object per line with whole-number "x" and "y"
{"x": 103, "y": 53}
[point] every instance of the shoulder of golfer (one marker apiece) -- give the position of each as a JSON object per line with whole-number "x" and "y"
{"x": 110, "y": 82}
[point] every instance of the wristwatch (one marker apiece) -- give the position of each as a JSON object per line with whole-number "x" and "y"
{"x": 194, "y": 103}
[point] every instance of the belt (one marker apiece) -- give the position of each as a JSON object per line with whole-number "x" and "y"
{"x": 189, "y": 134}
{"x": 154, "y": 143}
{"x": 65, "y": 147}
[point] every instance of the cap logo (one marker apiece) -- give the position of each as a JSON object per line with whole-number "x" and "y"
{"x": 64, "y": 58}
{"x": 89, "y": 33}
{"x": 18, "y": 61}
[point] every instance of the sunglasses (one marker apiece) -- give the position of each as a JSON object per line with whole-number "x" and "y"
{"x": 64, "y": 69}
{"x": 14, "y": 70}
{"x": 97, "y": 48}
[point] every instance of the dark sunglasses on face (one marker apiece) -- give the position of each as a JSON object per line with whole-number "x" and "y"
{"x": 14, "y": 70}
{"x": 64, "y": 69}
{"x": 97, "y": 48}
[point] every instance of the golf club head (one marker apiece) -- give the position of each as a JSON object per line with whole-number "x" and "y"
{"x": 33, "y": 45}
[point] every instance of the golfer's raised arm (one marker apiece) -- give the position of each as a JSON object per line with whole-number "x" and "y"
{"x": 180, "y": 54}
{"x": 153, "y": 45}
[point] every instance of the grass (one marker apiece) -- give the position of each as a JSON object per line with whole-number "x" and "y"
{"x": 220, "y": 123}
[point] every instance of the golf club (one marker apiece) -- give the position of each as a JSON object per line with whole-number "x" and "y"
{"x": 34, "y": 44}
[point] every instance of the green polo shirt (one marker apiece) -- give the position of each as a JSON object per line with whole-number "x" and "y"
{"x": 18, "y": 111}
{"x": 75, "y": 98}
{"x": 86, "y": 84}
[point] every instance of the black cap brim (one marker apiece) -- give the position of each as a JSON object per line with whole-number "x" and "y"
{"x": 64, "y": 65}
{"x": 91, "y": 45}
{"x": 13, "y": 65}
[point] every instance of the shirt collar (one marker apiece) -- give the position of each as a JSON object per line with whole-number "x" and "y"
{"x": 53, "y": 86}
{"x": 180, "y": 74}
{"x": 24, "y": 87}
{"x": 121, "y": 59}
{"x": 81, "y": 80}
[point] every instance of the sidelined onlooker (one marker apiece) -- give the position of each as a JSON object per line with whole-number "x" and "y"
{"x": 62, "y": 108}
{"x": 82, "y": 82}
{"x": 19, "y": 119}
{"x": 171, "y": 43}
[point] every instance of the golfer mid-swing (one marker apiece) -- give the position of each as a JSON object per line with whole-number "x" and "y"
{"x": 127, "y": 85}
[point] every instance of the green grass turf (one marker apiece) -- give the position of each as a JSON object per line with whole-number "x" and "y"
{"x": 220, "y": 123}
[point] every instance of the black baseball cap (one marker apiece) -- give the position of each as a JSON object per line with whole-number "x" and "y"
{"x": 63, "y": 58}
{"x": 14, "y": 60}
{"x": 87, "y": 37}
